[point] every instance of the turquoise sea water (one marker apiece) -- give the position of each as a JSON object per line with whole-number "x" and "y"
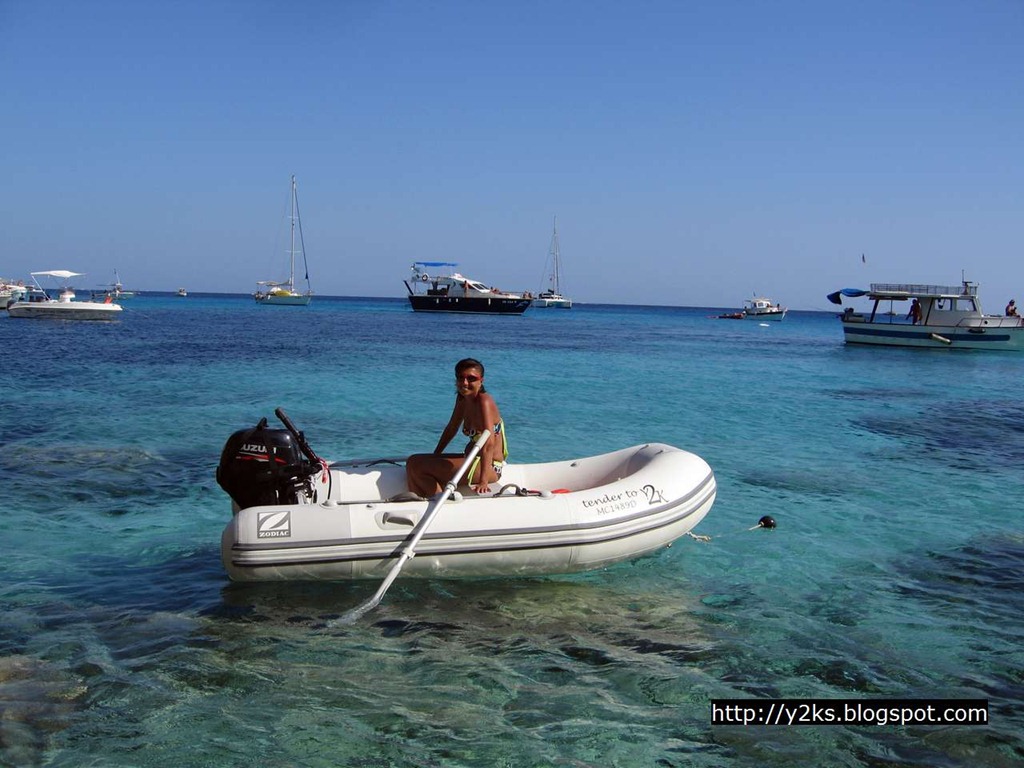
{"x": 896, "y": 569}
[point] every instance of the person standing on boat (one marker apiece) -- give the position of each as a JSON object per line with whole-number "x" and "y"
{"x": 475, "y": 410}
{"x": 1011, "y": 309}
{"x": 915, "y": 312}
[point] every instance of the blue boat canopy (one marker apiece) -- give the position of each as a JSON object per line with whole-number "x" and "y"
{"x": 437, "y": 263}
{"x": 851, "y": 293}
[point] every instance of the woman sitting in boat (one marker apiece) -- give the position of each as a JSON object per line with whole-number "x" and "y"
{"x": 475, "y": 411}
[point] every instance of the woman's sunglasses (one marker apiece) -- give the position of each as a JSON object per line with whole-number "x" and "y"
{"x": 468, "y": 377}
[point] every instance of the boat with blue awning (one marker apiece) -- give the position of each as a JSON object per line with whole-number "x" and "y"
{"x": 917, "y": 315}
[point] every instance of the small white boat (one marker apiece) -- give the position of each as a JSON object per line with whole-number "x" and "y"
{"x": 297, "y": 518}
{"x": 11, "y": 292}
{"x": 757, "y": 308}
{"x": 182, "y": 293}
{"x": 552, "y": 296}
{"x": 435, "y": 287}
{"x": 283, "y": 291}
{"x": 552, "y": 299}
{"x": 761, "y": 308}
{"x": 38, "y": 304}
{"x": 948, "y": 316}
{"x": 116, "y": 291}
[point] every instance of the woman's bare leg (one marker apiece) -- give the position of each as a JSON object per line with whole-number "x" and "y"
{"x": 427, "y": 473}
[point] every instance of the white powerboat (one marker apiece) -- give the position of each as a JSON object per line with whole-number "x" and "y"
{"x": 11, "y": 292}
{"x": 283, "y": 291}
{"x": 761, "y": 308}
{"x": 946, "y": 316}
{"x": 297, "y": 518}
{"x": 757, "y": 308}
{"x": 116, "y": 291}
{"x": 38, "y": 304}
{"x": 435, "y": 287}
{"x": 552, "y": 297}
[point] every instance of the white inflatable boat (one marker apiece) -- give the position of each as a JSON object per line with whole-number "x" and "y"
{"x": 298, "y": 518}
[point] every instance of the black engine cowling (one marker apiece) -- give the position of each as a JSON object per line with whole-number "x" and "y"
{"x": 264, "y": 466}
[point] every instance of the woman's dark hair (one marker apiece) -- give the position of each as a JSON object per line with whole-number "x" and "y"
{"x": 470, "y": 362}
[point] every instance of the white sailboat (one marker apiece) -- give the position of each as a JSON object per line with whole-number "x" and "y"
{"x": 552, "y": 297}
{"x": 283, "y": 292}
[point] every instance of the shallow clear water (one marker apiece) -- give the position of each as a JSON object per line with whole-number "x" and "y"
{"x": 896, "y": 569}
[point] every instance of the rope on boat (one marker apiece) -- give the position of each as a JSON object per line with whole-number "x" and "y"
{"x": 767, "y": 522}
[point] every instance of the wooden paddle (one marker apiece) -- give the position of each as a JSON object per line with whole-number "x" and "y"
{"x": 409, "y": 546}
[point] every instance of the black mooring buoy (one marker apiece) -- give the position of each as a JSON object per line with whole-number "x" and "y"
{"x": 766, "y": 522}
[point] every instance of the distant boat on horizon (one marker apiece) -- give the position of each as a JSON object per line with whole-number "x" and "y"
{"x": 757, "y": 308}
{"x": 283, "y": 292}
{"x": 445, "y": 290}
{"x": 552, "y": 297}
{"x": 116, "y": 291}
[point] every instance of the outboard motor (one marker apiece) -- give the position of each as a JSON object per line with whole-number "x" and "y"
{"x": 264, "y": 466}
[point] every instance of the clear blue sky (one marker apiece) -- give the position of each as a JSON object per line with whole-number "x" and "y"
{"x": 694, "y": 152}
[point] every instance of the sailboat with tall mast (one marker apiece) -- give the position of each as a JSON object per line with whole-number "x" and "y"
{"x": 552, "y": 296}
{"x": 283, "y": 292}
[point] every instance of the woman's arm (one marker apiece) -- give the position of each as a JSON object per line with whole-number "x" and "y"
{"x": 452, "y": 427}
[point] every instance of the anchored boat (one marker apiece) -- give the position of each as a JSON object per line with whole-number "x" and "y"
{"x": 552, "y": 296}
{"x": 298, "y": 518}
{"x": 757, "y": 308}
{"x": 283, "y": 291}
{"x": 937, "y": 316}
{"x": 10, "y": 292}
{"x": 38, "y": 304}
{"x": 435, "y": 287}
{"x": 115, "y": 291}
{"x": 761, "y": 308}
